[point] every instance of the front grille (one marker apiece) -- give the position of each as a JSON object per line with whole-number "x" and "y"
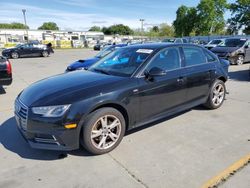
{"x": 21, "y": 110}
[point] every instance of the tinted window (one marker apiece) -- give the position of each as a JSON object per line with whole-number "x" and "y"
{"x": 234, "y": 42}
{"x": 167, "y": 59}
{"x": 209, "y": 57}
{"x": 185, "y": 40}
{"x": 193, "y": 56}
{"x": 215, "y": 42}
{"x": 178, "y": 41}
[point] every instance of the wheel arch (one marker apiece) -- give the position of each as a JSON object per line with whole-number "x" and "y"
{"x": 222, "y": 78}
{"x": 116, "y": 106}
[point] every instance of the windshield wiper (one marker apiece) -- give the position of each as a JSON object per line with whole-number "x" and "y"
{"x": 101, "y": 71}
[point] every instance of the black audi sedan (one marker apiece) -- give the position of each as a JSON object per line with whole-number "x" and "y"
{"x": 130, "y": 87}
{"x": 27, "y": 50}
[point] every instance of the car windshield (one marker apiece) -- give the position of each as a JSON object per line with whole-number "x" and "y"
{"x": 19, "y": 45}
{"x": 215, "y": 42}
{"x": 104, "y": 52}
{"x": 121, "y": 62}
{"x": 233, "y": 43}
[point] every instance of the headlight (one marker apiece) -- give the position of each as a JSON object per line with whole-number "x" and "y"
{"x": 51, "y": 111}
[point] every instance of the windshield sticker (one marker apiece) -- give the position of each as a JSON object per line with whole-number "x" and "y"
{"x": 145, "y": 51}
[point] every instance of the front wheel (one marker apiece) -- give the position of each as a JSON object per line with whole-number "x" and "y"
{"x": 216, "y": 95}
{"x": 103, "y": 130}
{"x": 45, "y": 54}
{"x": 14, "y": 55}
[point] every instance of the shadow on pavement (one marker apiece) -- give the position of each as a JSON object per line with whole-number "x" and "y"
{"x": 242, "y": 75}
{"x": 2, "y": 90}
{"x": 12, "y": 140}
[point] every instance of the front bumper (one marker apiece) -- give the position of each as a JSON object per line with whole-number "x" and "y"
{"x": 6, "y": 54}
{"x": 45, "y": 134}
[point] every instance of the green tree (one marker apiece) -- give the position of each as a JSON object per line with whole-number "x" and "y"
{"x": 185, "y": 22}
{"x": 14, "y": 25}
{"x": 240, "y": 11}
{"x": 210, "y": 15}
{"x": 95, "y": 28}
{"x": 48, "y": 26}
{"x": 155, "y": 29}
{"x": 117, "y": 29}
{"x": 166, "y": 30}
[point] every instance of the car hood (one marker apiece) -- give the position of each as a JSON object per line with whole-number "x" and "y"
{"x": 82, "y": 63}
{"x": 219, "y": 49}
{"x": 65, "y": 88}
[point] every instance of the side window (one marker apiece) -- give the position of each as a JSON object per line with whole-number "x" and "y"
{"x": 194, "y": 56}
{"x": 167, "y": 59}
{"x": 178, "y": 41}
{"x": 185, "y": 40}
{"x": 209, "y": 57}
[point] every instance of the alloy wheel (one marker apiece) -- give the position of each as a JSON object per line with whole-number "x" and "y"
{"x": 106, "y": 132}
{"x": 240, "y": 60}
{"x": 14, "y": 55}
{"x": 45, "y": 54}
{"x": 218, "y": 94}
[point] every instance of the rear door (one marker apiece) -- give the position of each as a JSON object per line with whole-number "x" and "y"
{"x": 198, "y": 72}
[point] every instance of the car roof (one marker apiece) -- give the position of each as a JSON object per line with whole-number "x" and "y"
{"x": 155, "y": 46}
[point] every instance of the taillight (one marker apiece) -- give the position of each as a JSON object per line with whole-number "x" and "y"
{"x": 9, "y": 70}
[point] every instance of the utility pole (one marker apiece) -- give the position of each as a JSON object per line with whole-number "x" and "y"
{"x": 142, "y": 20}
{"x": 25, "y": 23}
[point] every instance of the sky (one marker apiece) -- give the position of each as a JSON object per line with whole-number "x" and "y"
{"x": 82, "y": 14}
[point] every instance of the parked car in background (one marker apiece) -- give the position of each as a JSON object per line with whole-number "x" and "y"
{"x": 5, "y": 71}
{"x": 101, "y": 45}
{"x": 213, "y": 43}
{"x": 236, "y": 50}
{"x": 27, "y": 50}
{"x": 84, "y": 64}
{"x": 128, "y": 88}
{"x": 175, "y": 40}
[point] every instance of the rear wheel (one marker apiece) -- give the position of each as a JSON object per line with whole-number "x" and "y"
{"x": 14, "y": 55}
{"x": 216, "y": 95}
{"x": 103, "y": 130}
{"x": 45, "y": 54}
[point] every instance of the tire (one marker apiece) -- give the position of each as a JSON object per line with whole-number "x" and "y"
{"x": 14, "y": 55}
{"x": 239, "y": 60}
{"x": 216, "y": 95}
{"x": 98, "y": 134}
{"x": 45, "y": 54}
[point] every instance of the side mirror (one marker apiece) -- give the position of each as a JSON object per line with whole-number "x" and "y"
{"x": 155, "y": 71}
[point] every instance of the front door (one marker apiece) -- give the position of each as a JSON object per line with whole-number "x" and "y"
{"x": 162, "y": 93}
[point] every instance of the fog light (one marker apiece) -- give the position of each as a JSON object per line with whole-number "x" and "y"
{"x": 70, "y": 126}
